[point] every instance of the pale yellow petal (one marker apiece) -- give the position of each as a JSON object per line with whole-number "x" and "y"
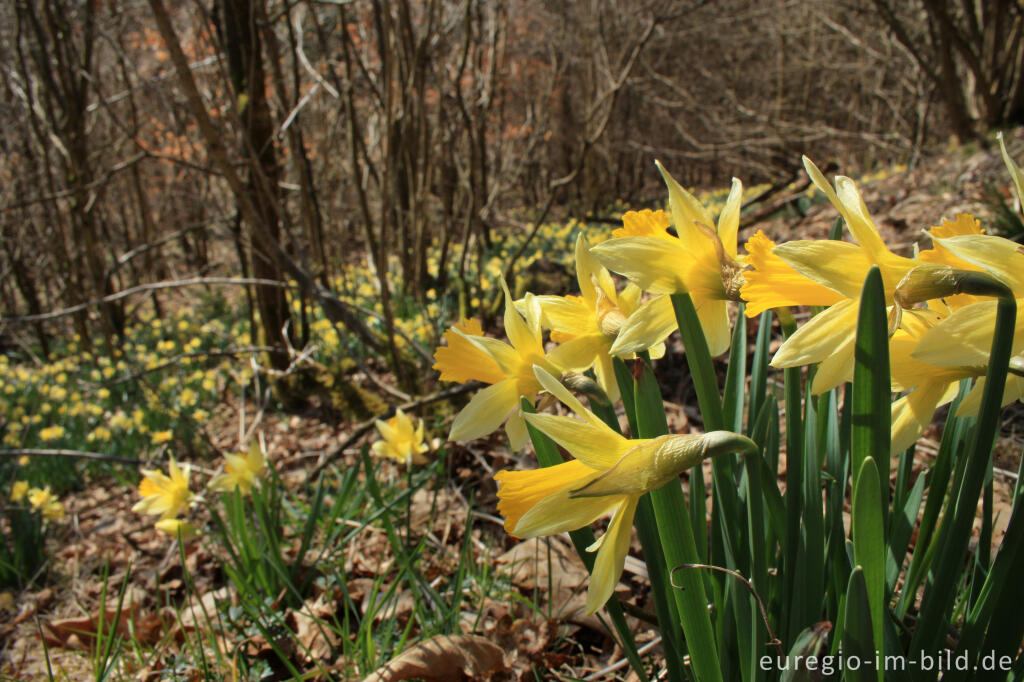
{"x": 648, "y": 326}
{"x": 486, "y": 411}
{"x": 912, "y": 413}
{"x": 851, "y": 205}
{"x": 837, "y": 367}
{"x": 591, "y": 275}
{"x": 964, "y": 339}
{"x": 524, "y": 338}
{"x": 558, "y": 513}
{"x": 655, "y": 265}
{"x": 555, "y": 388}
{"x": 819, "y": 337}
{"x": 611, "y": 558}
{"x": 605, "y": 373}
{"x": 515, "y": 429}
{"x": 714, "y": 320}
{"x": 580, "y": 352}
{"x": 840, "y": 266}
{"x": 567, "y": 314}
{"x": 729, "y": 218}
{"x": 1002, "y": 258}
{"x": 687, "y": 213}
{"x": 969, "y": 406}
{"x": 597, "y": 446}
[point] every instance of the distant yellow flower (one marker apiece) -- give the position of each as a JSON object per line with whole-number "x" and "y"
{"x": 177, "y": 528}
{"x": 166, "y": 495}
{"x": 23, "y": 461}
{"x": 608, "y": 476}
{"x": 51, "y": 432}
{"x": 401, "y": 439}
{"x": 242, "y": 471}
{"x": 701, "y": 260}
{"x": 159, "y": 437}
{"x": 53, "y": 510}
{"x": 19, "y": 490}
{"x": 40, "y": 497}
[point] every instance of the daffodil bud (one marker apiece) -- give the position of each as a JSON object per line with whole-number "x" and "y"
{"x": 934, "y": 280}
{"x": 655, "y": 462}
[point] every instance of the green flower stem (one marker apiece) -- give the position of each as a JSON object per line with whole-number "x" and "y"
{"x": 677, "y": 539}
{"x": 654, "y": 556}
{"x": 955, "y": 533}
{"x": 547, "y": 456}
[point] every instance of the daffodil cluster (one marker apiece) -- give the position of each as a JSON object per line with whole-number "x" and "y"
{"x": 941, "y": 311}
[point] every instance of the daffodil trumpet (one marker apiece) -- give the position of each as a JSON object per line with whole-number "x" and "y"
{"x": 607, "y": 477}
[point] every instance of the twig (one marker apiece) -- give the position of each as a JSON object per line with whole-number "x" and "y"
{"x": 775, "y": 641}
{"x": 361, "y": 429}
{"x": 43, "y": 452}
{"x": 622, "y": 662}
{"x": 154, "y": 286}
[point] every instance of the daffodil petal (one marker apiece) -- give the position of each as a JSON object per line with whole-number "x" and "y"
{"x": 564, "y": 314}
{"x": 558, "y": 513}
{"x": 655, "y": 265}
{"x": 579, "y": 353}
{"x": 519, "y": 491}
{"x": 969, "y": 406}
{"x": 816, "y": 340}
{"x": 840, "y": 266}
{"x": 524, "y": 338}
{"x": 836, "y": 368}
{"x": 729, "y": 218}
{"x": 591, "y": 275}
{"x": 714, "y": 320}
{"x": 998, "y": 256}
{"x": 912, "y": 413}
{"x": 596, "y": 446}
{"x": 964, "y": 339}
{"x": 611, "y": 557}
{"x": 687, "y": 212}
{"x": 605, "y": 373}
{"x": 555, "y": 388}
{"x": 649, "y": 325}
{"x": 486, "y": 411}
{"x": 515, "y": 429}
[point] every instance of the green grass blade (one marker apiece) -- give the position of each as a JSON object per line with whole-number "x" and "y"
{"x": 858, "y": 632}
{"x": 869, "y": 545}
{"x": 872, "y": 391}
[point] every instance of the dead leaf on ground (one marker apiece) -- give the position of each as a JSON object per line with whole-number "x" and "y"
{"x": 81, "y": 633}
{"x": 443, "y": 659}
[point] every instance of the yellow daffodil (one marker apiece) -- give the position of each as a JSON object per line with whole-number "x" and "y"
{"x": 39, "y": 497}
{"x": 53, "y": 510}
{"x": 964, "y": 338}
{"x": 19, "y": 490}
{"x": 241, "y": 471}
{"x": 177, "y": 528}
{"x": 587, "y": 325}
{"x": 166, "y": 495}
{"x": 699, "y": 260}
{"x": 828, "y": 338}
{"x": 401, "y": 439}
{"x": 508, "y": 368}
{"x": 608, "y": 476}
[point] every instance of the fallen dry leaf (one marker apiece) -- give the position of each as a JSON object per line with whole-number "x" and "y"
{"x": 443, "y": 659}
